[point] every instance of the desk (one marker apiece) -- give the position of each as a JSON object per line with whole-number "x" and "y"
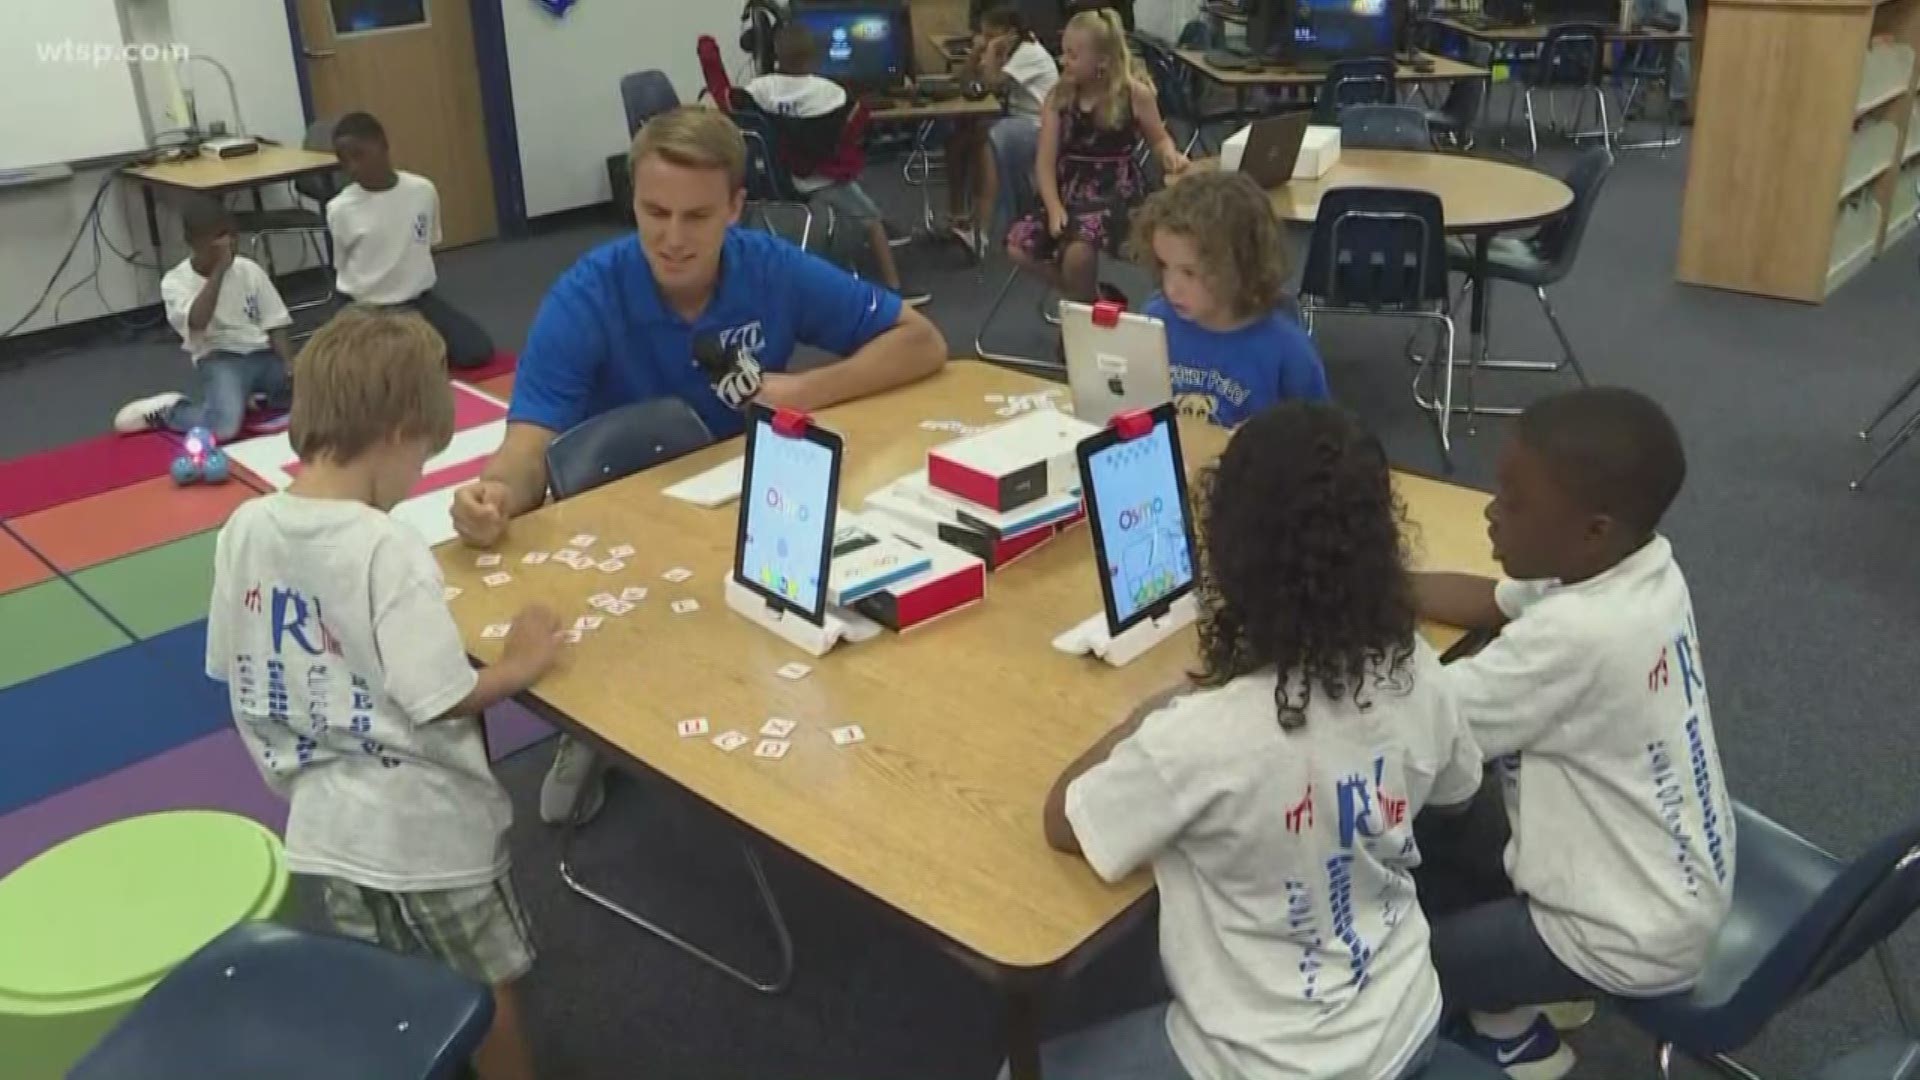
{"x": 209, "y": 175}
{"x": 1534, "y": 33}
{"x": 1479, "y": 197}
{"x": 936, "y": 818}
{"x": 923, "y": 114}
{"x": 1443, "y": 70}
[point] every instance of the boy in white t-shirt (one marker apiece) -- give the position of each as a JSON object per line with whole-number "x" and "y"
{"x": 349, "y": 682}
{"x": 1616, "y": 844}
{"x": 811, "y": 114}
{"x": 1275, "y": 797}
{"x": 384, "y": 226}
{"x": 1007, "y": 59}
{"x": 233, "y": 324}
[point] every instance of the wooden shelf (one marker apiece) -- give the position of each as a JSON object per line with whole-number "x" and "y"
{"x": 1869, "y": 154}
{"x": 1886, "y": 74}
{"x": 1898, "y": 228}
{"x": 1855, "y": 237}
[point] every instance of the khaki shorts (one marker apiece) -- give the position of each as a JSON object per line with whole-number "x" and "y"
{"x": 481, "y": 931}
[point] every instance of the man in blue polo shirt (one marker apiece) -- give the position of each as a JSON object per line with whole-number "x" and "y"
{"x": 692, "y": 308}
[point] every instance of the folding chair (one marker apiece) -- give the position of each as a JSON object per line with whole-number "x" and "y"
{"x": 1384, "y": 127}
{"x": 1572, "y": 57}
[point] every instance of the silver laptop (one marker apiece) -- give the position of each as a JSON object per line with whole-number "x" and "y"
{"x": 1117, "y": 368}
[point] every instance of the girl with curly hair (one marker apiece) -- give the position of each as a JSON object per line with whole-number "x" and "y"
{"x": 1274, "y": 793}
{"x": 1216, "y": 251}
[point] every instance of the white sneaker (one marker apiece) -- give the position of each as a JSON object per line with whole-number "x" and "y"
{"x": 1569, "y": 1015}
{"x": 575, "y": 765}
{"x": 146, "y": 413}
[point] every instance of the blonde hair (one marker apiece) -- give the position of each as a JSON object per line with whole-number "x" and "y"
{"x": 1120, "y": 70}
{"x": 369, "y": 375}
{"x": 694, "y": 137}
{"x": 1234, "y": 231}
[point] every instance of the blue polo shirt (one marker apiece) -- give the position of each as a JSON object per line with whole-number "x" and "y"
{"x": 1228, "y": 377}
{"x": 604, "y": 337}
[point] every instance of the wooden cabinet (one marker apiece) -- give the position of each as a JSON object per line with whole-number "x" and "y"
{"x": 1804, "y": 127}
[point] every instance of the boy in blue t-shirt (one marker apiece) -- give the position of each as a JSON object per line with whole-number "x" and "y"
{"x": 1216, "y": 250}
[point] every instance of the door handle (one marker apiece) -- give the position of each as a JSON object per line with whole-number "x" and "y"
{"x": 319, "y": 54}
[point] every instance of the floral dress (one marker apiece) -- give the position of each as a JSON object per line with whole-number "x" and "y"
{"x": 1099, "y": 182}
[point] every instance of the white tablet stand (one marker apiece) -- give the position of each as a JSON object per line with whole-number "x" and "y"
{"x": 1092, "y": 637}
{"x": 836, "y": 624}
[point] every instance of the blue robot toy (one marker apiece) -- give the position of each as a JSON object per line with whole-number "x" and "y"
{"x": 201, "y": 460}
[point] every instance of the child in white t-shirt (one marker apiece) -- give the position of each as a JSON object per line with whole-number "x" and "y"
{"x": 1007, "y": 59}
{"x": 349, "y": 682}
{"x": 1610, "y": 868}
{"x": 1274, "y": 797}
{"x": 233, "y": 324}
{"x": 384, "y": 225}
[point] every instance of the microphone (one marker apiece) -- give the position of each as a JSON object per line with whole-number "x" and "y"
{"x": 733, "y": 371}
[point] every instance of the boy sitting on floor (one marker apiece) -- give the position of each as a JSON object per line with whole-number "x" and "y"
{"x": 231, "y": 321}
{"x": 812, "y": 115}
{"x": 384, "y": 226}
{"x": 1610, "y": 869}
{"x": 350, "y": 685}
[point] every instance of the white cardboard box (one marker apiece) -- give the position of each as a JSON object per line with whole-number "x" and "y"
{"x": 1010, "y": 465}
{"x": 1319, "y": 151}
{"x": 953, "y": 579}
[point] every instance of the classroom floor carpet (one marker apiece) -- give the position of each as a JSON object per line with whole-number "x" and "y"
{"x": 1808, "y": 606}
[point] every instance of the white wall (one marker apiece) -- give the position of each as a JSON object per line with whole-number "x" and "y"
{"x": 1165, "y": 17}
{"x": 252, "y": 39}
{"x": 566, "y": 82}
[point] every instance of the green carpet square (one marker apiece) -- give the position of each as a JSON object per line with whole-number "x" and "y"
{"x": 47, "y": 627}
{"x": 156, "y": 590}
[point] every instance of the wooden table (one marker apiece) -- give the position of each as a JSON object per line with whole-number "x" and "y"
{"x": 1534, "y": 33}
{"x": 922, "y": 115}
{"x": 969, "y": 720}
{"x": 1442, "y": 69}
{"x": 209, "y": 175}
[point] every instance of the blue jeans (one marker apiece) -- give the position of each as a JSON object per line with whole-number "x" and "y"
{"x": 1136, "y": 1047}
{"x": 227, "y": 380}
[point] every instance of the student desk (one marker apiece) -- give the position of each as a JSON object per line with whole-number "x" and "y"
{"x": 209, "y": 175}
{"x": 923, "y": 115}
{"x": 1534, "y": 33}
{"x": 935, "y": 819}
{"x": 1275, "y": 77}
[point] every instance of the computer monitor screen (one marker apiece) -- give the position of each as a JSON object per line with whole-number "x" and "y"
{"x": 861, "y": 46}
{"x": 1142, "y": 535}
{"x": 1340, "y": 29}
{"x": 787, "y": 505}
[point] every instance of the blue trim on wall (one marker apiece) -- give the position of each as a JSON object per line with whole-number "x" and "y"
{"x": 300, "y": 59}
{"x": 496, "y": 105}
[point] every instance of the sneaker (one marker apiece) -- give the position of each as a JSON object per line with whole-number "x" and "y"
{"x": 1569, "y": 1015}
{"x": 1536, "y": 1054}
{"x": 913, "y": 297}
{"x": 146, "y": 413}
{"x": 575, "y": 765}
{"x": 969, "y": 238}
{"x": 895, "y": 237}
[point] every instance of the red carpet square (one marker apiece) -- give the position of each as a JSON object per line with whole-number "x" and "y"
{"x": 129, "y": 519}
{"x": 39, "y": 481}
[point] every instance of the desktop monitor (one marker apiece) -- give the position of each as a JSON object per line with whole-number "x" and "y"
{"x": 862, "y": 46}
{"x": 1343, "y": 29}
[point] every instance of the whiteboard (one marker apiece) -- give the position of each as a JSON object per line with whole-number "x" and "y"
{"x": 67, "y": 78}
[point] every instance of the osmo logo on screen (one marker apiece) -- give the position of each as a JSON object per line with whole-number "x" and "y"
{"x": 104, "y": 53}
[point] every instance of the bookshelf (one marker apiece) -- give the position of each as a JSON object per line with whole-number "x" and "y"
{"x": 1806, "y": 145}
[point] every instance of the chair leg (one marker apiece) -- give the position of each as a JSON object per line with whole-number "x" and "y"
{"x": 1533, "y": 132}
{"x": 1899, "y": 440}
{"x": 1008, "y": 359}
{"x": 1663, "y": 1060}
{"x": 1899, "y": 396}
{"x": 1446, "y": 394}
{"x": 775, "y": 985}
{"x": 1568, "y": 359}
{"x": 1606, "y": 129}
{"x": 1902, "y": 1002}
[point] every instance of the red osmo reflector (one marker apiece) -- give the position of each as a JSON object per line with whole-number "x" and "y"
{"x": 1106, "y": 313}
{"x": 791, "y": 423}
{"x": 1133, "y": 424}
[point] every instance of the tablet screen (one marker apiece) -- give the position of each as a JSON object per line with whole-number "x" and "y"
{"x": 787, "y": 517}
{"x": 1141, "y": 532}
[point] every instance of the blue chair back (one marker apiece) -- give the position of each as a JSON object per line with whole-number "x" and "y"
{"x": 266, "y": 1000}
{"x": 1366, "y": 81}
{"x": 1558, "y": 243}
{"x": 1200, "y": 34}
{"x": 617, "y": 444}
{"x": 1572, "y": 54}
{"x": 1378, "y": 249}
{"x": 767, "y": 177}
{"x": 1384, "y": 127}
{"x": 1799, "y": 917}
{"x": 646, "y": 94}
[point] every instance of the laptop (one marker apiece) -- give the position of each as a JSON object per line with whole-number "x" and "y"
{"x": 1114, "y": 368}
{"x": 1272, "y": 148}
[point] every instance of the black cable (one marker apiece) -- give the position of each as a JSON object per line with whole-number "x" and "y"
{"x": 65, "y": 259}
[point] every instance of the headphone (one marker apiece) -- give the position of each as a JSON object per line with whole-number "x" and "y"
{"x": 759, "y": 21}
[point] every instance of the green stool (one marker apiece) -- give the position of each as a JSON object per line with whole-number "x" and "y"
{"x": 92, "y": 923}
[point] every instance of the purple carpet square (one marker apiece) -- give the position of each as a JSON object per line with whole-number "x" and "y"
{"x": 511, "y": 729}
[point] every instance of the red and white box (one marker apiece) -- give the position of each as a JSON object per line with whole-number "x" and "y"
{"x": 954, "y": 580}
{"x": 1013, "y": 464}
{"x": 995, "y": 539}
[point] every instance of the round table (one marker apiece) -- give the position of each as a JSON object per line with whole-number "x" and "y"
{"x": 1476, "y": 195}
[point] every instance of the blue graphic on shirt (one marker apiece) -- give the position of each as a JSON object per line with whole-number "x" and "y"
{"x": 1224, "y": 378}
{"x": 1703, "y": 787}
{"x": 1340, "y": 900}
{"x": 307, "y": 661}
{"x": 422, "y": 226}
{"x": 1304, "y": 930}
{"x": 1671, "y": 801}
{"x": 252, "y": 308}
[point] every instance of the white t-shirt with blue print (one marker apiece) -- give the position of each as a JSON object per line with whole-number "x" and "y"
{"x": 383, "y": 240}
{"x": 1289, "y": 929}
{"x": 604, "y": 337}
{"x": 1592, "y": 707}
{"x": 247, "y": 308}
{"x": 330, "y": 629}
{"x": 1225, "y": 378}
